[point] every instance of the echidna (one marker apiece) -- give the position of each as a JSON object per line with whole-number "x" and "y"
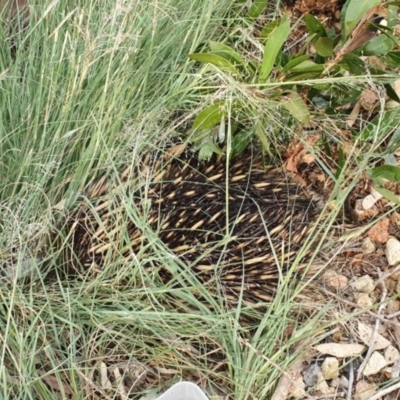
{"x": 238, "y": 222}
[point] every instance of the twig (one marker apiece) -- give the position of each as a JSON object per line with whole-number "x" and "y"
{"x": 350, "y": 303}
{"x": 376, "y": 328}
{"x": 351, "y": 377}
{"x": 384, "y": 392}
{"x": 388, "y": 274}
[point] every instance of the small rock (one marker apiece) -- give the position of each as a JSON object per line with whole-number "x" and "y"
{"x": 335, "y": 280}
{"x": 376, "y": 363}
{"x": 310, "y": 375}
{"x": 365, "y": 284}
{"x": 393, "y": 251}
{"x": 322, "y": 386}
{"x": 363, "y": 299}
{"x": 392, "y": 355}
{"x": 370, "y": 200}
{"x": 393, "y": 306}
{"x": 395, "y": 275}
{"x": 368, "y": 245}
{"x": 397, "y": 289}
{"x": 344, "y": 383}
{"x": 298, "y": 388}
{"x": 365, "y": 332}
{"x": 335, "y": 382}
{"x": 388, "y": 372}
{"x": 330, "y": 368}
{"x": 364, "y": 390}
{"x": 396, "y": 369}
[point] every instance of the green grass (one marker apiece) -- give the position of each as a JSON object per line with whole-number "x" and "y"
{"x": 93, "y": 85}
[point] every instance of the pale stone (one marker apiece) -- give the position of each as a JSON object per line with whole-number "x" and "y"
{"x": 344, "y": 382}
{"x": 369, "y": 201}
{"x": 330, "y": 368}
{"x": 298, "y": 388}
{"x": 335, "y": 382}
{"x": 392, "y": 355}
{"x": 393, "y": 251}
{"x": 363, "y": 300}
{"x": 368, "y": 246}
{"x": 364, "y": 390}
{"x": 364, "y": 284}
{"x": 322, "y": 385}
{"x": 393, "y": 306}
{"x": 376, "y": 363}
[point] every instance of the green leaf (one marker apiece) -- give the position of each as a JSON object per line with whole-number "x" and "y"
{"x": 214, "y": 59}
{"x": 305, "y": 70}
{"x": 257, "y": 8}
{"x": 389, "y": 172}
{"x": 391, "y": 93}
{"x": 240, "y": 141}
{"x": 352, "y": 14}
{"x": 207, "y": 150}
{"x": 268, "y": 29}
{"x": 272, "y": 48}
{"x": 305, "y": 65}
{"x": 393, "y": 58}
{"x": 295, "y": 61}
{"x": 379, "y": 45}
{"x": 210, "y": 116}
{"x": 297, "y": 108}
{"x": 314, "y": 26}
{"x": 324, "y": 47}
{"x": 354, "y": 64}
{"x": 388, "y": 194}
{"x": 226, "y": 52}
{"x": 387, "y": 121}
{"x": 394, "y": 142}
{"x": 341, "y": 163}
{"x": 260, "y": 131}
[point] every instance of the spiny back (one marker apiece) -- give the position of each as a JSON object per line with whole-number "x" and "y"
{"x": 239, "y": 223}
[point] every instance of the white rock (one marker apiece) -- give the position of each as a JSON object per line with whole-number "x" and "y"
{"x": 392, "y": 355}
{"x": 335, "y": 382}
{"x": 363, "y": 299}
{"x": 298, "y": 388}
{"x": 370, "y": 200}
{"x": 368, "y": 245}
{"x": 344, "y": 382}
{"x": 365, "y": 390}
{"x": 393, "y": 306}
{"x": 322, "y": 386}
{"x": 330, "y": 368}
{"x": 365, "y": 284}
{"x": 393, "y": 251}
{"x": 376, "y": 363}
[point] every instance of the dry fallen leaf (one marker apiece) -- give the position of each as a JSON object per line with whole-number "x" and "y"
{"x": 340, "y": 350}
{"x": 368, "y": 99}
{"x": 365, "y": 334}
